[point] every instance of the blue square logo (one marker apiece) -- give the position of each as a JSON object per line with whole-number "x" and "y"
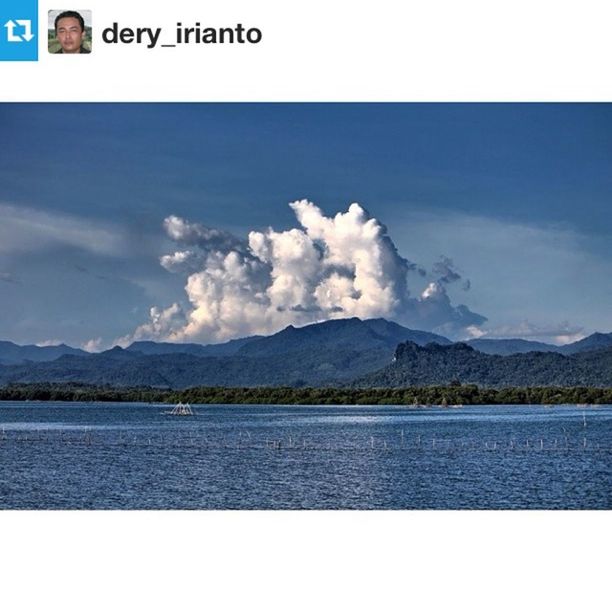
{"x": 19, "y": 30}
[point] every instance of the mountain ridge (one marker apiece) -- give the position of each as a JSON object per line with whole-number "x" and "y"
{"x": 435, "y": 364}
{"x": 510, "y": 346}
{"x": 333, "y": 353}
{"x": 12, "y": 353}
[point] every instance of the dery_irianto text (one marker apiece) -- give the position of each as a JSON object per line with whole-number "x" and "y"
{"x": 196, "y": 34}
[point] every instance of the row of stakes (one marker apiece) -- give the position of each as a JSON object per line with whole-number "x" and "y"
{"x": 246, "y": 442}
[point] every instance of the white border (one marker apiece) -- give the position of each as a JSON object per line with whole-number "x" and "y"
{"x": 305, "y": 560}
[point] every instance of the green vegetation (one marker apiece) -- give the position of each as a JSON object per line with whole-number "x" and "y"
{"x": 303, "y": 365}
{"x": 435, "y": 364}
{"x": 452, "y": 394}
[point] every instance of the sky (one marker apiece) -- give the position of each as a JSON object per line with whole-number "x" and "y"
{"x": 203, "y": 222}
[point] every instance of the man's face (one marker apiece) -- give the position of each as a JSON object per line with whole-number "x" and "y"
{"x": 69, "y": 34}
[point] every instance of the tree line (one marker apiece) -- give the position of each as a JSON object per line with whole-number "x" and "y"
{"x": 453, "y": 394}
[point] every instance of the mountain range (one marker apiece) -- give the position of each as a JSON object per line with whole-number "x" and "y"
{"x": 337, "y": 352}
{"x": 415, "y": 365}
{"x": 11, "y": 353}
{"x": 327, "y": 353}
{"x": 512, "y": 346}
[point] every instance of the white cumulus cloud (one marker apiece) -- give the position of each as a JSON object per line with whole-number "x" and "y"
{"x": 329, "y": 267}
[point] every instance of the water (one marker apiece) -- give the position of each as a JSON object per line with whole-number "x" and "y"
{"x": 132, "y": 456}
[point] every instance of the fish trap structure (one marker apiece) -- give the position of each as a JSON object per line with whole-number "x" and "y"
{"x": 181, "y": 410}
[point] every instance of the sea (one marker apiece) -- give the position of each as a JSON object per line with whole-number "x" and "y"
{"x": 125, "y": 456}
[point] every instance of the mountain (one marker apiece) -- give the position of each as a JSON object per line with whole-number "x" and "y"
{"x": 321, "y": 354}
{"x": 511, "y": 346}
{"x": 349, "y": 334}
{"x": 593, "y": 342}
{"x": 352, "y": 334}
{"x": 148, "y": 347}
{"x": 436, "y": 364}
{"x": 182, "y": 370}
{"x": 11, "y": 353}
{"x": 374, "y": 352}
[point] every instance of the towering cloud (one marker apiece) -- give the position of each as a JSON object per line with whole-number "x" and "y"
{"x": 336, "y": 267}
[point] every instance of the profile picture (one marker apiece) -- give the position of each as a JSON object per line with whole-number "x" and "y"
{"x": 69, "y": 31}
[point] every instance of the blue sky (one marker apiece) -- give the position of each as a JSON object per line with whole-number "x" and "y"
{"x": 518, "y": 197}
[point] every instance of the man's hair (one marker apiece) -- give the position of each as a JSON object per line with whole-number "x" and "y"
{"x": 72, "y": 14}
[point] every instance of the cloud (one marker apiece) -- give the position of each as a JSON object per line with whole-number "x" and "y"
{"x": 561, "y": 333}
{"x": 53, "y": 342}
{"x": 329, "y": 267}
{"x": 162, "y": 324}
{"x": 198, "y": 235}
{"x": 25, "y": 229}
{"x": 434, "y": 311}
{"x": 94, "y": 345}
{"x": 544, "y": 272}
{"x": 445, "y": 270}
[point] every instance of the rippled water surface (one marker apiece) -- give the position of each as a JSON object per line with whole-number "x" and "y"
{"x": 133, "y": 456}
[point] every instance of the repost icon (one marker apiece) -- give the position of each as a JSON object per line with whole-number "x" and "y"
{"x": 18, "y": 35}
